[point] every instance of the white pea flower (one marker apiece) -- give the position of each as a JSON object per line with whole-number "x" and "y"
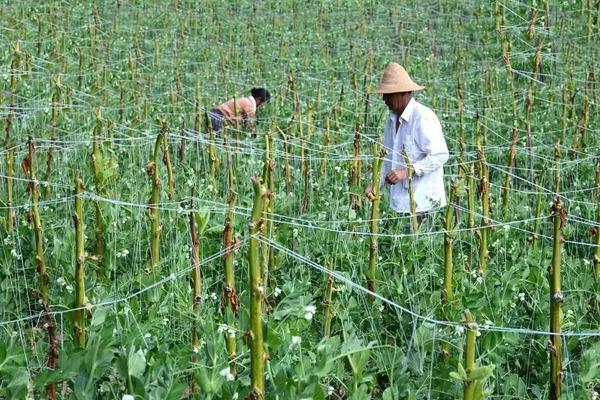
{"x": 127, "y": 397}
{"x": 69, "y": 288}
{"x": 222, "y": 328}
{"x": 276, "y": 292}
{"x": 330, "y": 390}
{"x": 226, "y": 373}
{"x": 213, "y": 296}
{"x": 8, "y": 240}
{"x": 15, "y": 255}
{"x": 311, "y": 309}
{"x": 296, "y": 340}
{"x": 61, "y": 281}
{"x": 459, "y": 330}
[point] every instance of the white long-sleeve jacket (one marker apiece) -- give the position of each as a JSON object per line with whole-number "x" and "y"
{"x": 420, "y": 131}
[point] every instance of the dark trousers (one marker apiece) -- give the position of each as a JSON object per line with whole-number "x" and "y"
{"x": 215, "y": 118}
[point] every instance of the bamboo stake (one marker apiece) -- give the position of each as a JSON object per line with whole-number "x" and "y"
{"x": 80, "y": 257}
{"x": 10, "y": 151}
{"x": 153, "y": 214}
{"x": 355, "y": 167}
{"x": 597, "y": 229}
{"x": 510, "y": 162}
{"x": 323, "y": 166}
{"x": 375, "y": 197}
{"x": 97, "y": 168}
{"x": 484, "y": 188}
{"x": 196, "y": 277}
{"x": 257, "y": 292}
{"x": 328, "y": 302}
{"x": 53, "y": 126}
{"x": 28, "y": 166}
{"x": 559, "y": 215}
{"x": 447, "y": 293}
{"x": 167, "y": 160}
{"x": 413, "y": 205}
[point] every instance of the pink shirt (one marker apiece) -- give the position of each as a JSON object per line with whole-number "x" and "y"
{"x": 244, "y": 107}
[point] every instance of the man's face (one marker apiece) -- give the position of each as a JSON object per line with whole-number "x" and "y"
{"x": 396, "y": 102}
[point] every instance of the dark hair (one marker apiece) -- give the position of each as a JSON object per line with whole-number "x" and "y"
{"x": 261, "y": 93}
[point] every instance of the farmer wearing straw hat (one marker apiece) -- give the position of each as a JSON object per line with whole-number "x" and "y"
{"x": 415, "y": 128}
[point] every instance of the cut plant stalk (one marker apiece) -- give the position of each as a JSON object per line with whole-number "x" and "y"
{"x": 375, "y": 198}
{"x": 325, "y": 156}
{"x": 559, "y": 216}
{"x": 28, "y": 165}
{"x": 257, "y": 293}
{"x": 80, "y": 258}
{"x": 414, "y": 222}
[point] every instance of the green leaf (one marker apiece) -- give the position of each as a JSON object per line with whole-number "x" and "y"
{"x": 99, "y": 316}
{"x": 462, "y": 372}
{"x": 481, "y": 373}
{"x": 136, "y": 363}
{"x": 456, "y": 375}
{"x": 2, "y": 352}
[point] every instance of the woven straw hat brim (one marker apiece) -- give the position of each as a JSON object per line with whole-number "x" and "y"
{"x": 398, "y": 88}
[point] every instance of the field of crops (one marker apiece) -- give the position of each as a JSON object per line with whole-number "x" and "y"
{"x": 144, "y": 257}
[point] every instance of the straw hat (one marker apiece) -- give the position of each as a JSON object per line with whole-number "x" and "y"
{"x": 396, "y": 80}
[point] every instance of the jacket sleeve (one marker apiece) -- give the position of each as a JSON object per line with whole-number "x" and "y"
{"x": 430, "y": 140}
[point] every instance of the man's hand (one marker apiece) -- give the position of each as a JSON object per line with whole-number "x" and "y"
{"x": 395, "y": 176}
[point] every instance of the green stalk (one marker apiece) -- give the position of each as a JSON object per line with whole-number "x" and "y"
{"x": 471, "y": 326}
{"x": 414, "y": 223}
{"x": 153, "y": 214}
{"x": 375, "y": 198}
{"x": 78, "y": 218}
{"x": 559, "y": 215}
{"x": 257, "y": 292}
{"x": 328, "y": 302}
{"x": 28, "y": 166}
{"x": 447, "y": 292}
